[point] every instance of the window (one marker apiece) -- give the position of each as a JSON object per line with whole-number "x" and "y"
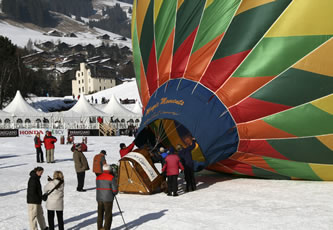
{"x": 78, "y": 74}
{"x": 7, "y": 121}
{"x": 137, "y": 120}
{"x": 27, "y": 121}
{"x": 46, "y": 120}
{"x": 82, "y": 73}
{"x": 100, "y": 88}
{"x": 38, "y": 121}
{"x": 82, "y": 89}
{"x": 122, "y": 120}
{"x": 0, "y": 121}
{"x": 79, "y": 82}
{"x": 82, "y": 81}
{"x": 19, "y": 121}
{"x": 79, "y": 90}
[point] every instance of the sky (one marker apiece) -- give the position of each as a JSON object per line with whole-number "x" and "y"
{"x": 220, "y": 202}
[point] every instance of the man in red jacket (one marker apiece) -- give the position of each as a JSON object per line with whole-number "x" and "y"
{"x": 124, "y": 150}
{"x": 172, "y": 166}
{"x": 38, "y": 146}
{"x": 49, "y": 141}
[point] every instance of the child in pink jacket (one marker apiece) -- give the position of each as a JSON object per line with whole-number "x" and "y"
{"x": 172, "y": 166}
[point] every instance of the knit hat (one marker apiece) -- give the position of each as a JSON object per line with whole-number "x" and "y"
{"x": 103, "y": 151}
{"x": 77, "y": 146}
{"x": 106, "y": 167}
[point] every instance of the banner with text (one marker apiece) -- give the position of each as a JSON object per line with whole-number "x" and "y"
{"x": 142, "y": 161}
{"x": 83, "y": 132}
{"x": 8, "y": 132}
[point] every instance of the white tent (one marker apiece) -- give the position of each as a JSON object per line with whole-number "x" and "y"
{"x": 20, "y": 108}
{"x": 4, "y": 114}
{"x": 5, "y": 119}
{"x": 84, "y": 109}
{"x": 117, "y": 111}
{"x": 137, "y": 108}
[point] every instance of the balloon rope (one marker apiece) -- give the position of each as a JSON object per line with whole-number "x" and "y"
{"x": 171, "y": 131}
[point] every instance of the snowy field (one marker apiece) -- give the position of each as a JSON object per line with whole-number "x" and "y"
{"x": 221, "y": 202}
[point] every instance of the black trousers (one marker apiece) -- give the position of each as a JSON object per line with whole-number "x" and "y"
{"x": 39, "y": 153}
{"x": 172, "y": 184}
{"x": 104, "y": 209}
{"x": 50, "y": 218}
{"x": 80, "y": 180}
{"x": 189, "y": 178}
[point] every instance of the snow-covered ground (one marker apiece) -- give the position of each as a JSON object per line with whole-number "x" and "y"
{"x": 220, "y": 202}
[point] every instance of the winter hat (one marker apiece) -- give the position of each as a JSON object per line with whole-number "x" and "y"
{"x": 103, "y": 151}
{"x": 106, "y": 167}
{"x": 122, "y": 145}
{"x": 77, "y": 146}
{"x": 162, "y": 150}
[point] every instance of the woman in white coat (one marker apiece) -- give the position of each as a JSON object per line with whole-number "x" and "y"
{"x": 55, "y": 200}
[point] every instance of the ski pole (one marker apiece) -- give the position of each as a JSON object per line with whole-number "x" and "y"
{"x": 121, "y": 213}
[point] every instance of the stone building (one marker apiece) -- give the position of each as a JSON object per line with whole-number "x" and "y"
{"x": 85, "y": 83}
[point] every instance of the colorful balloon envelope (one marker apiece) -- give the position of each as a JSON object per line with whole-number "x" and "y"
{"x": 251, "y": 80}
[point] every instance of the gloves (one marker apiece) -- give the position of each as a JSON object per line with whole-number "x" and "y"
{"x": 49, "y": 178}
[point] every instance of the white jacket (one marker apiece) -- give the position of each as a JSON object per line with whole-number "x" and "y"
{"x": 55, "y": 200}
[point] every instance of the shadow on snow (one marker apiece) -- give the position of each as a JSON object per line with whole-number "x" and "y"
{"x": 12, "y": 192}
{"x": 142, "y": 219}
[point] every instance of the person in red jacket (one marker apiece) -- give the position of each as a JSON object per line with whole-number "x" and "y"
{"x": 124, "y": 150}
{"x": 172, "y": 166}
{"x": 38, "y": 146}
{"x": 49, "y": 141}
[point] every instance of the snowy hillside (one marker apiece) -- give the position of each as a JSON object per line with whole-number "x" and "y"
{"x": 20, "y": 33}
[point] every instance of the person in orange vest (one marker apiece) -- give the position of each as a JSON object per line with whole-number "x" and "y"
{"x": 99, "y": 161}
{"x": 106, "y": 190}
{"x": 125, "y": 149}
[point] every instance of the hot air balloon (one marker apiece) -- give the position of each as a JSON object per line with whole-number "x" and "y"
{"x": 251, "y": 80}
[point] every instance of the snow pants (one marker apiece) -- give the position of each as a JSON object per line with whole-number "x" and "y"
{"x": 50, "y": 155}
{"x": 172, "y": 184}
{"x": 50, "y": 218}
{"x": 40, "y": 157}
{"x": 190, "y": 179}
{"x": 35, "y": 213}
{"x": 80, "y": 180}
{"x": 104, "y": 209}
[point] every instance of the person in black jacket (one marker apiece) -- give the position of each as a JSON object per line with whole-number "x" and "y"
{"x": 34, "y": 200}
{"x": 185, "y": 155}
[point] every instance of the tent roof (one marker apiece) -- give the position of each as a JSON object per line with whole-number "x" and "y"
{"x": 83, "y": 108}
{"x": 19, "y": 107}
{"x": 137, "y": 108}
{"x": 114, "y": 108}
{"x": 5, "y": 114}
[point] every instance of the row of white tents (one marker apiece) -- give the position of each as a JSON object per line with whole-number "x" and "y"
{"x": 20, "y": 114}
